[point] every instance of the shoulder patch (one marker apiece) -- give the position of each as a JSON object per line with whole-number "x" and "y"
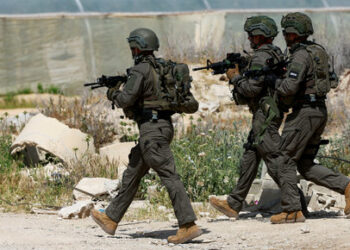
{"x": 293, "y": 74}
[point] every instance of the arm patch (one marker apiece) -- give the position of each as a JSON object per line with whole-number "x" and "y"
{"x": 293, "y": 74}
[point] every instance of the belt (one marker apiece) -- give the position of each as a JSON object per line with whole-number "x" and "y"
{"x": 151, "y": 115}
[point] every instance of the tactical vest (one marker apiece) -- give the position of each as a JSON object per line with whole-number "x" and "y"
{"x": 276, "y": 56}
{"x": 322, "y": 80}
{"x": 171, "y": 88}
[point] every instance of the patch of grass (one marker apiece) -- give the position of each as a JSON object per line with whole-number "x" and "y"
{"x": 339, "y": 147}
{"x": 51, "y": 89}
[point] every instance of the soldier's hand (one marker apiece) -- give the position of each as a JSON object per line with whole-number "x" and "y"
{"x": 111, "y": 93}
{"x": 230, "y": 73}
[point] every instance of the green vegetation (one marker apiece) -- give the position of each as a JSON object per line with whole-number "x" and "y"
{"x": 10, "y": 100}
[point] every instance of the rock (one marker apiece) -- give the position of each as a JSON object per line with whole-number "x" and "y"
{"x": 208, "y": 107}
{"x": 270, "y": 199}
{"x": 81, "y": 209}
{"x": 52, "y": 172}
{"x": 204, "y": 214}
{"x": 96, "y": 187}
{"x": 259, "y": 217}
{"x": 48, "y": 135}
{"x": 118, "y": 152}
{"x": 121, "y": 170}
{"x": 139, "y": 204}
{"x": 162, "y": 209}
{"x": 152, "y": 192}
{"x": 305, "y": 230}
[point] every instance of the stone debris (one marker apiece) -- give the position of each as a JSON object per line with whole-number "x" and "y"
{"x": 44, "y": 135}
{"x": 81, "y": 209}
{"x": 208, "y": 107}
{"x": 52, "y": 172}
{"x": 89, "y": 188}
{"x": 305, "y": 230}
{"x": 118, "y": 151}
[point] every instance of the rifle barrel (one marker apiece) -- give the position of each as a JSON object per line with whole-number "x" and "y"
{"x": 200, "y": 68}
{"x": 90, "y": 84}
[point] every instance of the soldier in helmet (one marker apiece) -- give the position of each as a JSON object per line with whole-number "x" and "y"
{"x": 153, "y": 148}
{"x": 258, "y": 92}
{"x": 304, "y": 90}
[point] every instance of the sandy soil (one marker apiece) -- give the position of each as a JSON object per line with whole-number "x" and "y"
{"x": 27, "y": 231}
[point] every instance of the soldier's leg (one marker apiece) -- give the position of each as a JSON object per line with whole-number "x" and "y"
{"x": 248, "y": 170}
{"x": 130, "y": 183}
{"x": 316, "y": 173}
{"x": 157, "y": 154}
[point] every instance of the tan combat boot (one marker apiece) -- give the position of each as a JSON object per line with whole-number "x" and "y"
{"x": 347, "y": 200}
{"x": 287, "y": 217}
{"x": 108, "y": 225}
{"x": 185, "y": 233}
{"x": 223, "y": 207}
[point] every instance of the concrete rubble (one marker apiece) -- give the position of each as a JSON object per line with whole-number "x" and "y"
{"x": 52, "y": 172}
{"x": 264, "y": 195}
{"x": 44, "y": 135}
{"x": 118, "y": 151}
{"x": 81, "y": 209}
{"x": 89, "y": 188}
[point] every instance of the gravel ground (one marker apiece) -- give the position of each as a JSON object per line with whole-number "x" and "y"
{"x": 28, "y": 231}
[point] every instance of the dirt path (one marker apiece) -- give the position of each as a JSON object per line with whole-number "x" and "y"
{"x": 25, "y": 231}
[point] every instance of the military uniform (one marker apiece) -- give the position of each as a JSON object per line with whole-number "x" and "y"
{"x": 254, "y": 90}
{"x": 303, "y": 128}
{"x": 153, "y": 148}
{"x": 304, "y": 89}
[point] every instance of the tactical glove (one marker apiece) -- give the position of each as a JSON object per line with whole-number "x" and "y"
{"x": 112, "y": 93}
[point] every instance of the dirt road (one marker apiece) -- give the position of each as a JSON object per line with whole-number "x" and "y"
{"x": 26, "y": 231}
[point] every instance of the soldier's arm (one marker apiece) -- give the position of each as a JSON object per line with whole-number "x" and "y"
{"x": 252, "y": 86}
{"x": 296, "y": 73}
{"x": 190, "y": 104}
{"x": 131, "y": 91}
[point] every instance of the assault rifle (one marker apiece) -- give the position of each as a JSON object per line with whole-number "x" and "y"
{"x": 277, "y": 69}
{"x": 109, "y": 82}
{"x": 231, "y": 60}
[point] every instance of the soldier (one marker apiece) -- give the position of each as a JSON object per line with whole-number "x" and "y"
{"x": 141, "y": 102}
{"x": 304, "y": 90}
{"x": 258, "y": 92}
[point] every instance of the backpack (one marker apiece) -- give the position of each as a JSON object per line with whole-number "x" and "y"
{"x": 323, "y": 79}
{"x": 171, "y": 91}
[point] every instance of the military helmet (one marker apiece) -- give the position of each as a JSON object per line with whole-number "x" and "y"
{"x": 261, "y": 25}
{"x": 297, "y": 23}
{"x": 144, "y": 39}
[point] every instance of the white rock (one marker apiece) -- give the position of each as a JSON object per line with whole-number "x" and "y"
{"x": 49, "y": 135}
{"x": 118, "y": 152}
{"x": 121, "y": 170}
{"x": 95, "y": 187}
{"x": 81, "y": 209}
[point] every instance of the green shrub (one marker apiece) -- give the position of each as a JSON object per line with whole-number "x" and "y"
{"x": 339, "y": 147}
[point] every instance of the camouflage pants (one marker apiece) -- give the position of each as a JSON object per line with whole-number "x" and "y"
{"x": 152, "y": 151}
{"x": 268, "y": 150}
{"x": 299, "y": 144}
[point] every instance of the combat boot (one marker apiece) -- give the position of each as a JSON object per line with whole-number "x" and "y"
{"x": 347, "y": 200}
{"x": 108, "y": 225}
{"x": 185, "y": 233}
{"x": 223, "y": 207}
{"x": 288, "y": 217}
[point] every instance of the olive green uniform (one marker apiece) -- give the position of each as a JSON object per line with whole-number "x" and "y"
{"x": 302, "y": 132}
{"x": 153, "y": 148}
{"x": 254, "y": 90}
